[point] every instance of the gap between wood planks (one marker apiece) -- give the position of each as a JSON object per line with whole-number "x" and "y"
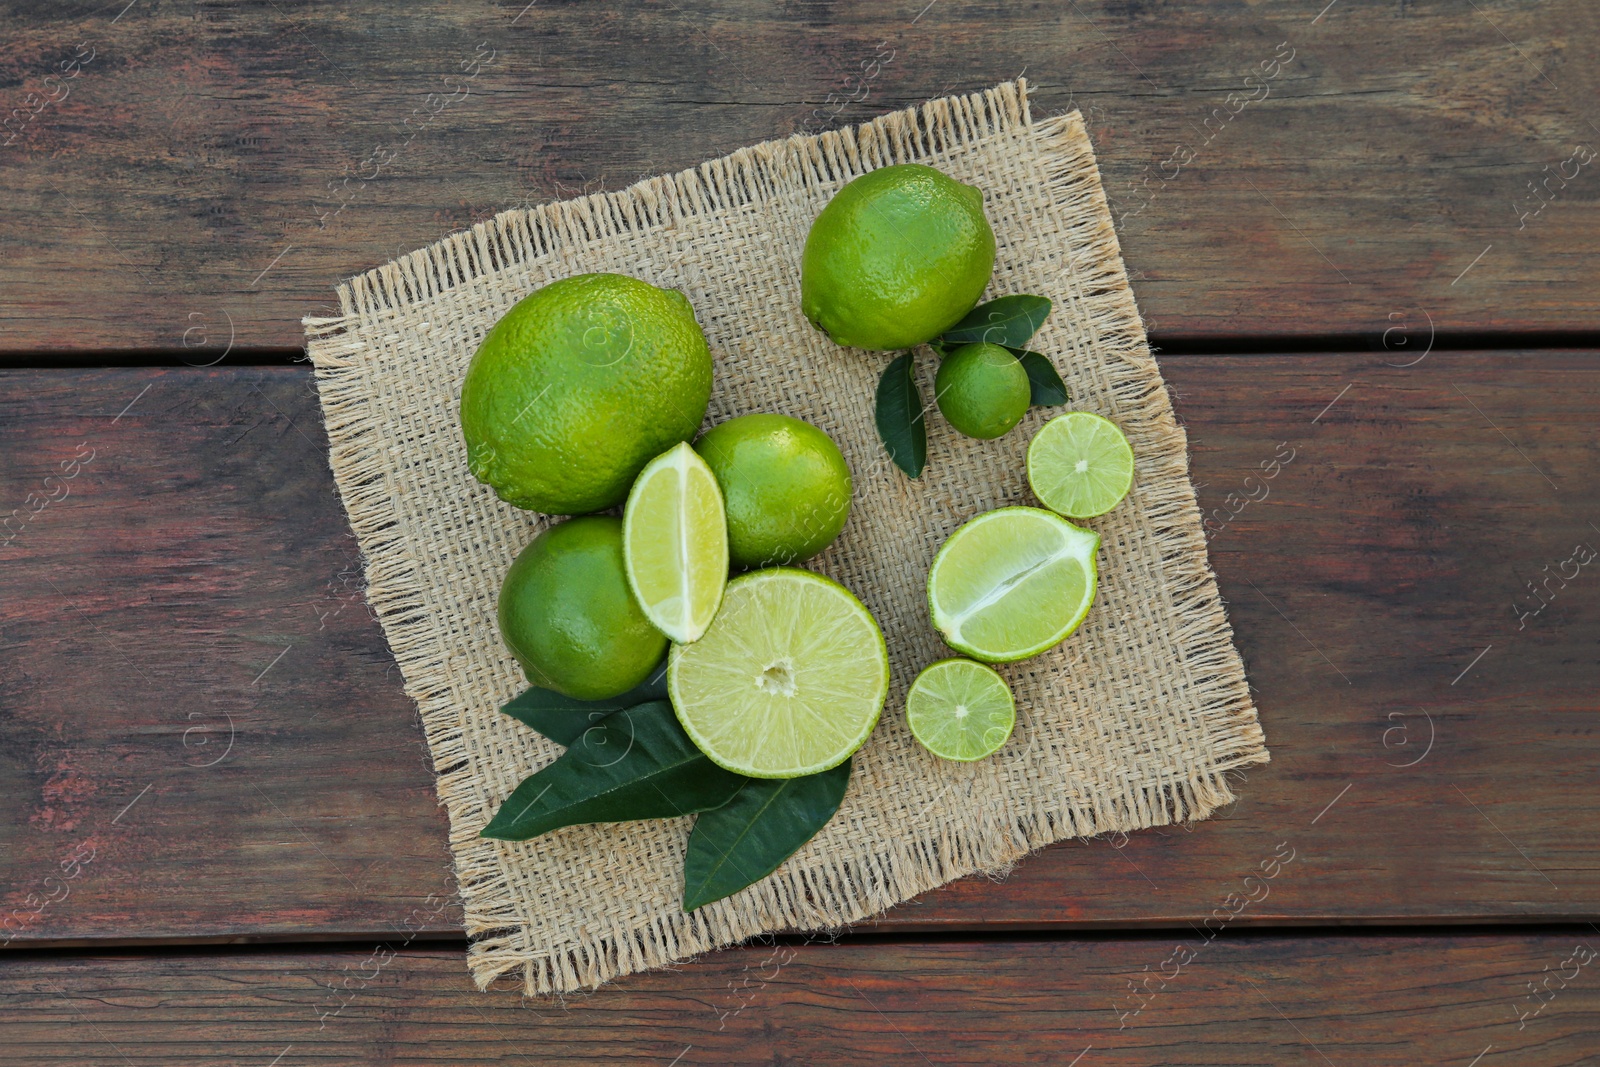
{"x": 421, "y": 941}
{"x": 1163, "y": 345}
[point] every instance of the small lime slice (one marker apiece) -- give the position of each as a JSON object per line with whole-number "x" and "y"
{"x": 1080, "y": 465}
{"x": 675, "y": 543}
{"x": 1011, "y": 583}
{"x": 789, "y": 680}
{"x": 960, "y": 710}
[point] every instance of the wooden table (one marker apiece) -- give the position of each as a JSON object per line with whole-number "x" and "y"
{"x": 220, "y": 836}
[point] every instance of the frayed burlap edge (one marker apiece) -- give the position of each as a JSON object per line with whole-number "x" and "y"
{"x": 846, "y": 889}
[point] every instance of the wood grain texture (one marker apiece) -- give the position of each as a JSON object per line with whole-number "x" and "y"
{"x": 191, "y": 621}
{"x": 200, "y": 572}
{"x": 1363, "y": 999}
{"x": 211, "y": 170}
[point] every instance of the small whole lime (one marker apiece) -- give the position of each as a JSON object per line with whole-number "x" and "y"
{"x": 897, "y": 257}
{"x": 567, "y": 614}
{"x": 580, "y": 385}
{"x": 785, "y": 484}
{"x": 982, "y": 389}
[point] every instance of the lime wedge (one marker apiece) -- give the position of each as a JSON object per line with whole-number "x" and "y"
{"x": 1011, "y": 583}
{"x": 960, "y": 710}
{"x": 675, "y": 543}
{"x": 789, "y": 680}
{"x": 1080, "y": 465}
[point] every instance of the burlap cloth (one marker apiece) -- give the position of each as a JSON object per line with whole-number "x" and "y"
{"x": 1131, "y": 723}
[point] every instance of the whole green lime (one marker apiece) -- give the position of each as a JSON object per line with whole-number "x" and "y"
{"x": 567, "y": 614}
{"x": 897, "y": 257}
{"x": 982, "y": 389}
{"x": 580, "y": 385}
{"x": 785, "y": 484}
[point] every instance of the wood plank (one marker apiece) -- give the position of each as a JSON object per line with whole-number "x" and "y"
{"x": 200, "y": 572}
{"x": 194, "y": 693}
{"x": 1263, "y": 1000}
{"x": 211, "y": 172}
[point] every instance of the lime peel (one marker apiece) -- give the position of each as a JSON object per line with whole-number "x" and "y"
{"x": 896, "y": 257}
{"x": 982, "y": 390}
{"x": 578, "y": 386}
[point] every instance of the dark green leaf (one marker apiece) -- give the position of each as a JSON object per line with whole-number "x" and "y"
{"x": 899, "y": 411}
{"x": 633, "y": 764}
{"x": 744, "y": 840}
{"x": 1008, "y": 321}
{"x": 1045, "y": 387}
{"x": 563, "y": 719}
{"x": 942, "y": 348}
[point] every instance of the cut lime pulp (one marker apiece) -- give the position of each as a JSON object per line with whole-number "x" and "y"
{"x": 1080, "y": 465}
{"x": 789, "y": 679}
{"x": 1012, "y": 583}
{"x": 960, "y": 710}
{"x": 675, "y": 543}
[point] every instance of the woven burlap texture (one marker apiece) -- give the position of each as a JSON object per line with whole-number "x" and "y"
{"x": 1133, "y": 722}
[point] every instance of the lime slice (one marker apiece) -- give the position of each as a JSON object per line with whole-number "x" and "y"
{"x": 1011, "y": 583}
{"x": 675, "y": 543}
{"x": 789, "y": 680}
{"x": 1080, "y": 465}
{"x": 960, "y": 710}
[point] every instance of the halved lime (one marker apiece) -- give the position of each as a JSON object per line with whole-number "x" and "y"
{"x": 960, "y": 710}
{"x": 1011, "y": 583}
{"x": 1080, "y": 465}
{"x": 675, "y": 543}
{"x": 789, "y": 679}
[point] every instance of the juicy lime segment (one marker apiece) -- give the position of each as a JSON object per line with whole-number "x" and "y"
{"x": 789, "y": 679}
{"x": 675, "y": 543}
{"x": 1012, "y": 583}
{"x": 960, "y": 710}
{"x": 1080, "y": 465}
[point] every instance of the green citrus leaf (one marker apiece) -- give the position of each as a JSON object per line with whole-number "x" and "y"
{"x": 633, "y": 764}
{"x": 1045, "y": 387}
{"x": 563, "y": 719}
{"x": 743, "y": 841}
{"x": 1008, "y": 321}
{"x": 901, "y": 425}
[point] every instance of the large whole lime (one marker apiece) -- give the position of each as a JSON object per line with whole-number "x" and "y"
{"x": 897, "y": 257}
{"x": 784, "y": 483}
{"x": 567, "y": 614}
{"x": 982, "y": 389}
{"x": 579, "y": 386}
